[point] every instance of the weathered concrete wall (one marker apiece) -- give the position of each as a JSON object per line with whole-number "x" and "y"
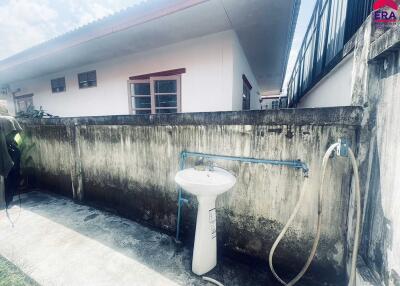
{"x": 376, "y": 80}
{"x": 129, "y": 163}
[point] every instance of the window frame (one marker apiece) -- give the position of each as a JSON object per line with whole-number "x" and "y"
{"x": 56, "y": 79}
{"x": 87, "y": 72}
{"x": 275, "y": 104}
{"x": 154, "y": 108}
{"x": 23, "y": 98}
{"x": 246, "y": 87}
{"x": 153, "y": 95}
{"x": 131, "y": 95}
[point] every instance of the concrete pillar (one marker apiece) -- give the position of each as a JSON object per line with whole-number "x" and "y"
{"x": 76, "y": 162}
{"x": 360, "y": 97}
{"x": 375, "y": 87}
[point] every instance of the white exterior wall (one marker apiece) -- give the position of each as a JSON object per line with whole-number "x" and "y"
{"x": 334, "y": 89}
{"x": 207, "y": 84}
{"x": 240, "y": 67}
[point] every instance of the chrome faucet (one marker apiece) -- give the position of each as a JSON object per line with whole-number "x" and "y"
{"x": 210, "y": 165}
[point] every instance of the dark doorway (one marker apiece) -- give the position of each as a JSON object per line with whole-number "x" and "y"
{"x": 246, "y": 93}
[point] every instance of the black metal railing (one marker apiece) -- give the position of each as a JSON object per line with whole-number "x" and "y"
{"x": 332, "y": 25}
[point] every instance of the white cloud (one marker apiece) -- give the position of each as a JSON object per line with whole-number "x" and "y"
{"x": 24, "y": 23}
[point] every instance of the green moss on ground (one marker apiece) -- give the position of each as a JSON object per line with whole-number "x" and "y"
{"x": 11, "y": 275}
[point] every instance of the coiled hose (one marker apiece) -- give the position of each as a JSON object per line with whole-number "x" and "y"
{"x": 317, "y": 237}
{"x": 212, "y": 281}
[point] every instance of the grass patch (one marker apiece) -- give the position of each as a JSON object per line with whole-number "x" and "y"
{"x": 11, "y": 275}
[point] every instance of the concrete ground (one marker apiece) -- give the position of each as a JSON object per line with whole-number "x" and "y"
{"x": 55, "y": 241}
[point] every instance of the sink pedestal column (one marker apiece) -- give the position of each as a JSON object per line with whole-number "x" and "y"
{"x": 2, "y": 193}
{"x": 205, "y": 242}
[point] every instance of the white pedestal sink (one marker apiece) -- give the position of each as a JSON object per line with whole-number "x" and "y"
{"x": 206, "y": 185}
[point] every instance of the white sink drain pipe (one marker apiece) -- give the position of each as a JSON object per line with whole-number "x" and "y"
{"x": 336, "y": 146}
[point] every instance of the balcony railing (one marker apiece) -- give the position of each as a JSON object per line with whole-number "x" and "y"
{"x": 333, "y": 24}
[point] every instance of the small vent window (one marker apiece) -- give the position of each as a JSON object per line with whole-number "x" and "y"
{"x": 58, "y": 85}
{"x": 24, "y": 102}
{"x": 87, "y": 79}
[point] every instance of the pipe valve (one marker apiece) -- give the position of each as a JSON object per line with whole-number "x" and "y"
{"x": 343, "y": 148}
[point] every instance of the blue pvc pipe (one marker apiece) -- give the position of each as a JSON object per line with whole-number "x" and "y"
{"x": 182, "y": 161}
{"x": 293, "y": 164}
{"x": 185, "y": 154}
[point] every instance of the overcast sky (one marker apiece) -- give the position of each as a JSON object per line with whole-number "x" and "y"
{"x": 25, "y": 23}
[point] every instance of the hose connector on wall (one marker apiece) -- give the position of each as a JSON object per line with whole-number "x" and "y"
{"x": 342, "y": 149}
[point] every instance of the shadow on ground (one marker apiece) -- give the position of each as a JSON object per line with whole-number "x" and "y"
{"x": 153, "y": 249}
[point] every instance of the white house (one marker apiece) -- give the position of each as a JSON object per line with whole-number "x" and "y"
{"x": 158, "y": 56}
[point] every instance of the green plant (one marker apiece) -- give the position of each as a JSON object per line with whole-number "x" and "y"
{"x": 31, "y": 112}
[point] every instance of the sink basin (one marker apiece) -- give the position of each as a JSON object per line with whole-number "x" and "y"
{"x": 205, "y": 183}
